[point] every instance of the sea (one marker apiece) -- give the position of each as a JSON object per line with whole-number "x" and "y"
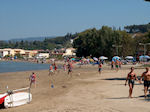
{"x": 11, "y": 66}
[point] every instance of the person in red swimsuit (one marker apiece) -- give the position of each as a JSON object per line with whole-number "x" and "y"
{"x": 100, "y": 67}
{"x": 32, "y": 79}
{"x": 55, "y": 67}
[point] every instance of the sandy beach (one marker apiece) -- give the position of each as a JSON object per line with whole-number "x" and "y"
{"x": 86, "y": 91}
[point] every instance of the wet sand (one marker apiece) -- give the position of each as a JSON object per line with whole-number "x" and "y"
{"x": 86, "y": 91}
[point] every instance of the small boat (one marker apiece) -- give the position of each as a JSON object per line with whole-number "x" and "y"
{"x": 14, "y": 98}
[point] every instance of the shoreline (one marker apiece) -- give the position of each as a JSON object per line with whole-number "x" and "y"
{"x": 33, "y": 61}
{"x": 27, "y": 63}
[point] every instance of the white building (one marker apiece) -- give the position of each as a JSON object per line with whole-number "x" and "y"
{"x": 69, "y": 52}
{"x": 5, "y": 52}
{"x": 13, "y": 52}
{"x": 42, "y": 55}
{"x": 71, "y": 41}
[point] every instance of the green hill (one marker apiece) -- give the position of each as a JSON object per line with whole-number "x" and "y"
{"x": 138, "y": 28}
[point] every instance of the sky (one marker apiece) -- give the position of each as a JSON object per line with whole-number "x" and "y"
{"x": 42, "y": 18}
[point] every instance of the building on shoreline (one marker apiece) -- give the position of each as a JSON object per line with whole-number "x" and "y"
{"x": 69, "y": 52}
{"x": 63, "y": 52}
{"x": 13, "y": 52}
{"x": 8, "y": 52}
{"x": 42, "y": 55}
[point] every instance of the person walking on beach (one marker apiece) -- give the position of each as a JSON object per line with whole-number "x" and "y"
{"x": 81, "y": 63}
{"x": 32, "y": 79}
{"x": 146, "y": 76}
{"x": 55, "y": 67}
{"x": 112, "y": 65}
{"x": 120, "y": 63}
{"x": 117, "y": 65}
{"x": 131, "y": 77}
{"x": 70, "y": 69}
{"x": 99, "y": 67}
{"x": 65, "y": 67}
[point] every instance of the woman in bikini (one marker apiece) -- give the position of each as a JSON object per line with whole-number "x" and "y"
{"x": 131, "y": 77}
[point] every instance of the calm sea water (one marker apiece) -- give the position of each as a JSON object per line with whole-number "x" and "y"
{"x": 9, "y": 66}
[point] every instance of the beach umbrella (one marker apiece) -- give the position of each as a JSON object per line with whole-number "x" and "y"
{"x": 91, "y": 60}
{"x": 144, "y": 57}
{"x": 115, "y": 58}
{"x": 84, "y": 59}
{"x": 95, "y": 58}
{"x": 103, "y": 58}
{"x": 129, "y": 57}
{"x": 147, "y": 57}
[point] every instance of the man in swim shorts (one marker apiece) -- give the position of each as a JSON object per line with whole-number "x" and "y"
{"x": 146, "y": 76}
{"x": 131, "y": 77}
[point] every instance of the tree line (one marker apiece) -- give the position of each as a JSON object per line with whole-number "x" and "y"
{"x": 93, "y": 42}
{"x": 58, "y": 42}
{"x": 137, "y": 28}
{"x": 109, "y": 42}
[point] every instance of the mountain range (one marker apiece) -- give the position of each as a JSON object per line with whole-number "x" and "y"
{"x": 30, "y": 39}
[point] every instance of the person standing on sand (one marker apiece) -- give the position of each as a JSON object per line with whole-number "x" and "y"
{"x": 131, "y": 77}
{"x": 51, "y": 70}
{"x": 32, "y": 79}
{"x": 146, "y": 76}
{"x": 99, "y": 67}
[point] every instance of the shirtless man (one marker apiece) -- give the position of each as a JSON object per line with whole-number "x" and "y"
{"x": 131, "y": 77}
{"x": 146, "y": 76}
